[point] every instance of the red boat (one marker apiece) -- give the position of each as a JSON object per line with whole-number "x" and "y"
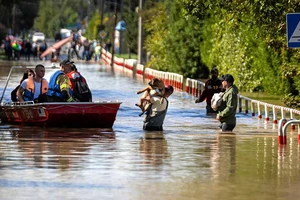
{"x": 97, "y": 114}
{"x": 77, "y": 114}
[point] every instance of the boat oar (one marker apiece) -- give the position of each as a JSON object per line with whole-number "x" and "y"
{"x": 8, "y": 77}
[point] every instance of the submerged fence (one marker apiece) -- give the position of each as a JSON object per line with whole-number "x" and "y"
{"x": 196, "y": 87}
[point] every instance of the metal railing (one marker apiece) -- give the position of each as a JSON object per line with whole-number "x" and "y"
{"x": 282, "y": 129}
{"x": 196, "y": 87}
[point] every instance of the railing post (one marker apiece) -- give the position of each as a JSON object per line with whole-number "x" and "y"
{"x": 266, "y": 112}
{"x": 259, "y": 111}
{"x": 246, "y": 106}
{"x": 292, "y": 117}
{"x": 240, "y": 104}
{"x": 274, "y": 115}
{"x": 281, "y": 134}
{"x": 252, "y": 108}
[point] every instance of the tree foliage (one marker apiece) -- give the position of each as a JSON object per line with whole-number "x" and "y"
{"x": 243, "y": 37}
{"x": 54, "y": 15}
{"x": 173, "y": 40}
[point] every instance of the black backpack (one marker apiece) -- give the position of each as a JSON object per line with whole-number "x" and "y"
{"x": 82, "y": 91}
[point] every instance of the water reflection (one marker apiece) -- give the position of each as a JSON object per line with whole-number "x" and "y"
{"x": 57, "y": 148}
{"x": 223, "y": 156}
{"x": 189, "y": 160}
{"x": 153, "y": 148}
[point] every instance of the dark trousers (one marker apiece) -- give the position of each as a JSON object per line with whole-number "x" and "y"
{"x": 227, "y": 127}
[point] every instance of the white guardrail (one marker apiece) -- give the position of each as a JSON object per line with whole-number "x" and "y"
{"x": 282, "y": 128}
{"x": 196, "y": 87}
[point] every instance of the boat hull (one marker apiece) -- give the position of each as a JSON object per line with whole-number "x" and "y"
{"x": 62, "y": 114}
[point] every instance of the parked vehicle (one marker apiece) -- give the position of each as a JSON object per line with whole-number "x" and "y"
{"x": 38, "y": 36}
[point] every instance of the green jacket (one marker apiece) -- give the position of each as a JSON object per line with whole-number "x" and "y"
{"x": 227, "y": 109}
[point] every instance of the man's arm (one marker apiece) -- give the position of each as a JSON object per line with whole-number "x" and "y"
{"x": 63, "y": 82}
{"x": 203, "y": 96}
{"x": 19, "y": 94}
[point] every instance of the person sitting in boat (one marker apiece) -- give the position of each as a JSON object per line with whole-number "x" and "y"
{"x": 59, "y": 84}
{"x": 13, "y": 94}
{"x": 79, "y": 86}
{"x": 34, "y": 86}
{"x": 155, "y": 116}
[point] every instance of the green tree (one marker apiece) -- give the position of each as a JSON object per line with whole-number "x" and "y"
{"x": 247, "y": 38}
{"x": 54, "y": 15}
{"x": 173, "y": 39}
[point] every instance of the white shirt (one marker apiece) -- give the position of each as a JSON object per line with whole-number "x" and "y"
{"x": 37, "y": 88}
{"x": 156, "y": 103}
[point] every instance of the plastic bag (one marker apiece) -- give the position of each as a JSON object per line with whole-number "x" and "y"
{"x": 216, "y": 100}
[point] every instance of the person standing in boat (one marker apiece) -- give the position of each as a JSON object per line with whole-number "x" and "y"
{"x": 32, "y": 87}
{"x": 59, "y": 84}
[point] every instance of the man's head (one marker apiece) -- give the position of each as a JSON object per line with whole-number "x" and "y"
{"x": 227, "y": 80}
{"x": 214, "y": 73}
{"x": 169, "y": 90}
{"x": 66, "y": 66}
{"x": 39, "y": 71}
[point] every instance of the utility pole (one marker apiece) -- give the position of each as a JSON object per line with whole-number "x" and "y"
{"x": 114, "y": 36}
{"x": 140, "y": 32}
{"x": 13, "y": 18}
{"x": 121, "y": 32}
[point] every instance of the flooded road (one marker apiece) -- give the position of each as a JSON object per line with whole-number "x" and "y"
{"x": 190, "y": 159}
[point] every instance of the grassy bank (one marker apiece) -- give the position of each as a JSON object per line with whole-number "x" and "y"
{"x": 267, "y": 98}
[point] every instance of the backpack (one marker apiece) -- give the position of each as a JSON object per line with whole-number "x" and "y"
{"x": 81, "y": 90}
{"x": 76, "y": 37}
{"x": 216, "y": 100}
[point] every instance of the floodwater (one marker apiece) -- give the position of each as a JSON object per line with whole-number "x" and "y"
{"x": 190, "y": 159}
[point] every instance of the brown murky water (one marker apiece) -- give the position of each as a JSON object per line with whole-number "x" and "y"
{"x": 190, "y": 159}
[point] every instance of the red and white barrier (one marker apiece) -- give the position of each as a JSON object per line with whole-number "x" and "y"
{"x": 196, "y": 87}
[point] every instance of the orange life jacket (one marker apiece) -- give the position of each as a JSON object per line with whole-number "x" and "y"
{"x": 29, "y": 90}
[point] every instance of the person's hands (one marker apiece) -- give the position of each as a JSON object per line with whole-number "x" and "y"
{"x": 218, "y": 117}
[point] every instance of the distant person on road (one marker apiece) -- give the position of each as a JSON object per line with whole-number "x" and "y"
{"x": 97, "y": 52}
{"x": 43, "y": 46}
{"x": 75, "y": 45}
{"x": 86, "y": 50}
{"x": 212, "y": 86}
{"x": 8, "y": 48}
{"x": 108, "y": 45}
{"x": 227, "y": 109}
{"x": 28, "y": 49}
{"x": 34, "y": 86}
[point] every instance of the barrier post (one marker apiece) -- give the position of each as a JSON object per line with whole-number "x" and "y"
{"x": 240, "y": 104}
{"x": 282, "y": 113}
{"x": 259, "y": 111}
{"x": 281, "y": 134}
{"x": 252, "y": 109}
{"x": 246, "y": 106}
{"x": 193, "y": 87}
{"x": 266, "y": 113}
{"x": 274, "y": 115}
{"x": 292, "y": 117}
{"x": 299, "y": 133}
{"x": 187, "y": 85}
